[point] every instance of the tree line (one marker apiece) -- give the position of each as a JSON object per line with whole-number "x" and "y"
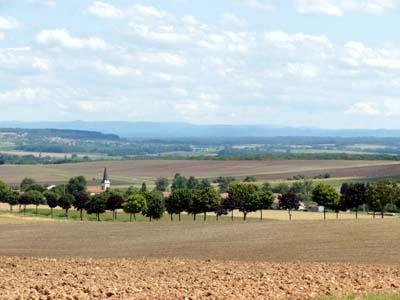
{"x": 195, "y": 196}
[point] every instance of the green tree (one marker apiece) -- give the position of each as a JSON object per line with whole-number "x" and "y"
{"x": 204, "y": 183}
{"x": 344, "y": 187}
{"x": 303, "y": 189}
{"x": 35, "y": 187}
{"x": 267, "y": 187}
{"x": 26, "y": 183}
{"x": 381, "y": 194}
{"x": 325, "y": 195}
{"x": 52, "y": 200}
{"x": 162, "y": 184}
{"x": 289, "y": 201}
{"x": 353, "y": 196}
{"x": 229, "y": 205}
{"x": 266, "y": 198}
{"x": 281, "y": 188}
{"x": 12, "y": 198}
{"x": 132, "y": 191}
{"x": 135, "y": 204}
{"x": 224, "y": 183}
{"x": 59, "y": 190}
{"x": 193, "y": 183}
{"x": 97, "y": 205}
{"x": 143, "y": 188}
{"x": 155, "y": 205}
{"x": 179, "y": 182}
{"x": 179, "y": 201}
{"x": 4, "y": 191}
{"x": 206, "y": 200}
{"x": 250, "y": 179}
{"x": 76, "y": 185}
{"x": 36, "y": 198}
{"x": 81, "y": 199}
{"x": 24, "y": 200}
{"x": 65, "y": 202}
{"x": 246, "y": 197}
{"x": 114, "y": 201}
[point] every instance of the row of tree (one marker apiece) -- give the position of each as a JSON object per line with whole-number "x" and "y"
{"x": 377, "y": 197}
{"x": 194, "y": 197}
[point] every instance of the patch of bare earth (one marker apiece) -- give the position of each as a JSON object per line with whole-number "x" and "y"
{"x": 39, "y": 278}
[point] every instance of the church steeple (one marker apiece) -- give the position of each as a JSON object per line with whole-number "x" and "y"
{"x": 105, "y": 183}
{"x": 105, "y": 175}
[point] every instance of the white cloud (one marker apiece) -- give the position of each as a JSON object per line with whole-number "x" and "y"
{"x": 264, "y": 5}
{"x": 341, "y": 7}
{"x": 115, "y": 71}
{"x": 178, "y": 91}
{"x": 22, "y": 60}
{"x": 232, "y": 19}
{"x": 228, "y": 41}
{"x": 8, "y": 23}
{"x": 162, "y": 58}
{"x": 148, "y": 11}
{"x": 284, "y": 40}
{"x": 27, "y": 96}
{"x": 41, "y": 64}
{"x": 105, "y": 10}
{"x": 302, "y": 70}
{"x": 360, "y": 55}
{"x": 159, "y": 34}
{"x": 384, "y": 107}
{"x": 169, "y": 77}
{"x": 197, "y": 108}
{"x": 95, "y": 106}
{"x": 64, "y": 39}
{"x": 51, "y": 3}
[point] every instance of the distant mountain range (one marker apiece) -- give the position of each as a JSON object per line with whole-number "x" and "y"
{"x": 182, "y": 130}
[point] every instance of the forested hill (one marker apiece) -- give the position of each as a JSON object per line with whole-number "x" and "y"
{"x": 176, "y": 130}
{"x": 60, "y": 133}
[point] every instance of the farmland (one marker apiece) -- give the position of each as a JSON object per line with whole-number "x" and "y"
{"x": 343, "y": 241}
{"x": 289, "y": 260}
{"x": 133, "y": 172}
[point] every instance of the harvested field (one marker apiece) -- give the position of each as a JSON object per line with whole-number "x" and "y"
{"x": 161, "y": 260}
{"x": 347, "y": 241}
{"x": 13, "y": 219}
{"x": 27, "y": 278}
{"x": 125, "y": 172}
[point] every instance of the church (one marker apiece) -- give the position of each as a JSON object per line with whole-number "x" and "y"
{"x": 105, "y": 183}
{"x": 104, "y": 186}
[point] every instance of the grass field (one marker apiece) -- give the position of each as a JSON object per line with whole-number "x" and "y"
{"x": 16, "y": 219}
{"x": 133, "y": 172}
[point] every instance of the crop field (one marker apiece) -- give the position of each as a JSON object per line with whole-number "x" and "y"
{"x": 348, "y": 241}
{"x": 272, "y": 259}
{"x": 130, "y": 172}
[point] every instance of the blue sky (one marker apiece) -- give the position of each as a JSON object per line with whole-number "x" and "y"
{"x": 324, "y": 63}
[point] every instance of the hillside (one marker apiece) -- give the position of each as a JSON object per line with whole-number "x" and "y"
{"x": 179, "y": 129}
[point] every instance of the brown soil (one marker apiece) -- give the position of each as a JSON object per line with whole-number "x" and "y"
{"x": 346, "y": 241}
{"x": 129, "y": 171}
{"x": 30, "y": 278}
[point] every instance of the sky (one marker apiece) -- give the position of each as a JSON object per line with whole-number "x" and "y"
{"x": 316, "y": 63}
